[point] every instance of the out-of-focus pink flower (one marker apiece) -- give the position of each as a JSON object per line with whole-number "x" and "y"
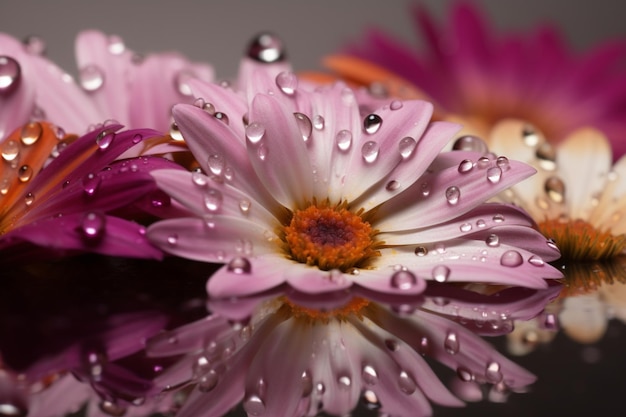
{"x": 298, "y": 188}
{"x": 114, "y": 83}
{"x": 62, "y": 195}
{"x": 478, "y": 78}
{"x": 290, "y": 359}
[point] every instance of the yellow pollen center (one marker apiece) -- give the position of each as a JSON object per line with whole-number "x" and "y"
{"x": 354, "y": 308}
{"x": 579, "y": 241}
{"x": 329, "y": 238}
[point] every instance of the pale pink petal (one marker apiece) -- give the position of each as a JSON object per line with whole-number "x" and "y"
{"x": 391, "y": 279}
{"x": 314, "y": 281}
{"x": 222, "y": 99}
{"x": 187, "y": 338}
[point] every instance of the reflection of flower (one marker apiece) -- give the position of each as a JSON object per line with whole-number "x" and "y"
{"x": 74, "y": 202}
{"x": 114, "y": 83}
{"x": 292, "y": 360}
{"x": 471, "y": 74}
{"x": 307, "y": 192}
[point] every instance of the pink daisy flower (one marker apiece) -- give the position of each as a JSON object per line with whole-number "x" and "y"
{"x": 343, "y": 354}
{"x": 63, "y": 195}
{"x": 114, "y": 83}
{"x": 479, "y": 78}
{"x": 298, "y": 188}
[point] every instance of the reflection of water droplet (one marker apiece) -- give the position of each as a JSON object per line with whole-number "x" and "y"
{"x": 451, "y": 343}
{"x": 494, "y": 174}
{"x": 287, "y": 82}
{"x": 492, "y": 372}
{"x": 91, "y": 78}
{"x": 370, "y": 400}
{"x": 511, "y": 258}
{"x": 403, "y": 280}
{"x": 555, "y": 188}
{"x": 407, "y": 146}
{"x": 406, "y": 383}
{"x": 305, "y": 125}
{"x": 369, "y": 151}
{"x": 112, "y": 409}
{"x": 452, "y": 195}
{"x": 343, "y": 140}
{"x": 344, "y": 381}
{"x": 93, "y": 225}
{"x": 470, "y": 143}
{"x": 372, "y": 123}
{"x": 244, "y": 206}
{"x": 369, "y": 375}
{"x": 441, "y": 273}
{"x": 266, "y": 48}
{"x": 465, "y": 166}
{"x": 239, "y": 265}
{"x": 254, "y": 406}
{"x": 464, "y": 374}
{"x": 255, "y": 132}
{"x": 10, "y": 74}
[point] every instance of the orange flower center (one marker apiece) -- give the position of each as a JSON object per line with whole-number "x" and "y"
{"x": 330, "y": 238}
{"x": 579, "y": 241}
{"x": 354, "y": 308}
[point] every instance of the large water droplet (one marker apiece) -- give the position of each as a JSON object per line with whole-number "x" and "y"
{"x": 24, "y": 173}
{"x": 369, "y": 151}
{"x": 493, "y": 241}
{"x": 10, "y": 150}
{"x": 465, "y": 166}
{"x": 372, "y": 123}
{"x": 451, "y": 343}
{"x": 305, "y": 125}
{"x": 319, "y": 122}
{"x": 403, "y": 280}
{"x": 30, "y": 133}
{"x": 239, "y": 265}
{"x": 343, "y": 140}
{"x": 555, "y": 188}
{"x": 511, "y": 258}
{"x": 216, "y": 164}
{"x": 494, "y": 174}
{"x": 369, "y": 375}
{"x": 104, "y": 139}
{"x": 406, "y": 383}
{"x": 254, "y": 406}
{"x": 10, "y": 74}
{"x": 213, "y": 199}
{"x": 470, "y": 143}
{"x": 441, "y": 273}
{"x": 407, "y": 146}
{"x": 266, "y": 48}
{"x": 287, "y": 82}
{"x": 255, "y": 132}
{"x": 91, "y": 78}
{"x": 453, "y": 194}
{"x": 93, "y": 225}
{"x": 503, "y": 163}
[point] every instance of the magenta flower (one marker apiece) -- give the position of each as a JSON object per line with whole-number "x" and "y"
{"x": 479, "y": 78}
{"x": 298, "y": 188}
{"x": 64, "y": 196}
{"x": 114, "y": 83}
{"x": 290, "y": 359}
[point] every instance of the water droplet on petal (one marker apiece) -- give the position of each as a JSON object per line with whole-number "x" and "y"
{"x": 208, "y": 381}
{"x": 31, "y": 133}
{"x": 305, "y": 125}
{"x": 104, "y": 139}
{"x": 555, "y": 188}
{"x": 91, "y": 183}
{"x": 254, "y": 406}
{"x": 441, "y": 273}
{"x": 222, "y": 117}
{"x": 244, "y": 206}
{"x": 172, "y": 239}
{"x": 546, "y": 154}
{"x": 452, "y": 195}
{"x": 372, "y": 123}
{"x": 536, "y": 261}
{"x": 93, "y": 225}
{"x": 530, "y": 136}
{"x": 111, "y": 408}
{"x": 137, "y": 138}
{"x": 370, "y": 400}
{"x": 421, "y": 251}
{"x": 464, "y": 374}
{"x": 406, "y": 383}
{"x": 493, "y": 373}
{"x": 287, "y": 82}
{"x": 395, "y": 105}
{"x": 35, "y": 45}
{"x": 255, "y": 132}
{"x": 369, "y": 151}
{"x": 511, "y": 258}
{"x": 91, "y": 78}
{"x": 403, "y": 280}
{"x": 213, "y": 200}
{"x": 10, "y": 74}
{"x": 24, "y": 173}
{"x": 266, "y": 48}
{"x": 116, "y": 45}
{"x": 307, "y": 384}
{"x": 318, "y": 122}
{"x": 392, "y": 185}
{"x": 451, "y": 343}
{"x": 199, "y": 179}
{"x": 239, "y": 265}
{"x": 343, "y": 140}
{"x": 406, "y": 146}
{"x": 470, "y": 143}
{"x": 392, "y": 345}
{"x": 344, "y": 381}
{"x": 494, "y": 174}
{"x": 503, "y": 163}
{"x": 10, "y": 150}
{"x": 465, "y": 166}
{"x": 493, "y": 241}
{"x": 480, "y": 223}
{"x": 29, "y": 199}
{"x": 483, "y": 162}
{"x": 216, "y": 164}
{"x": 425, "y": 188}
{"x": 369, "y": 375}
{"x": 498, "y": 218}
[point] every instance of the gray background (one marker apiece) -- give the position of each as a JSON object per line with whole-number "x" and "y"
{"x": 218, "y": 31}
